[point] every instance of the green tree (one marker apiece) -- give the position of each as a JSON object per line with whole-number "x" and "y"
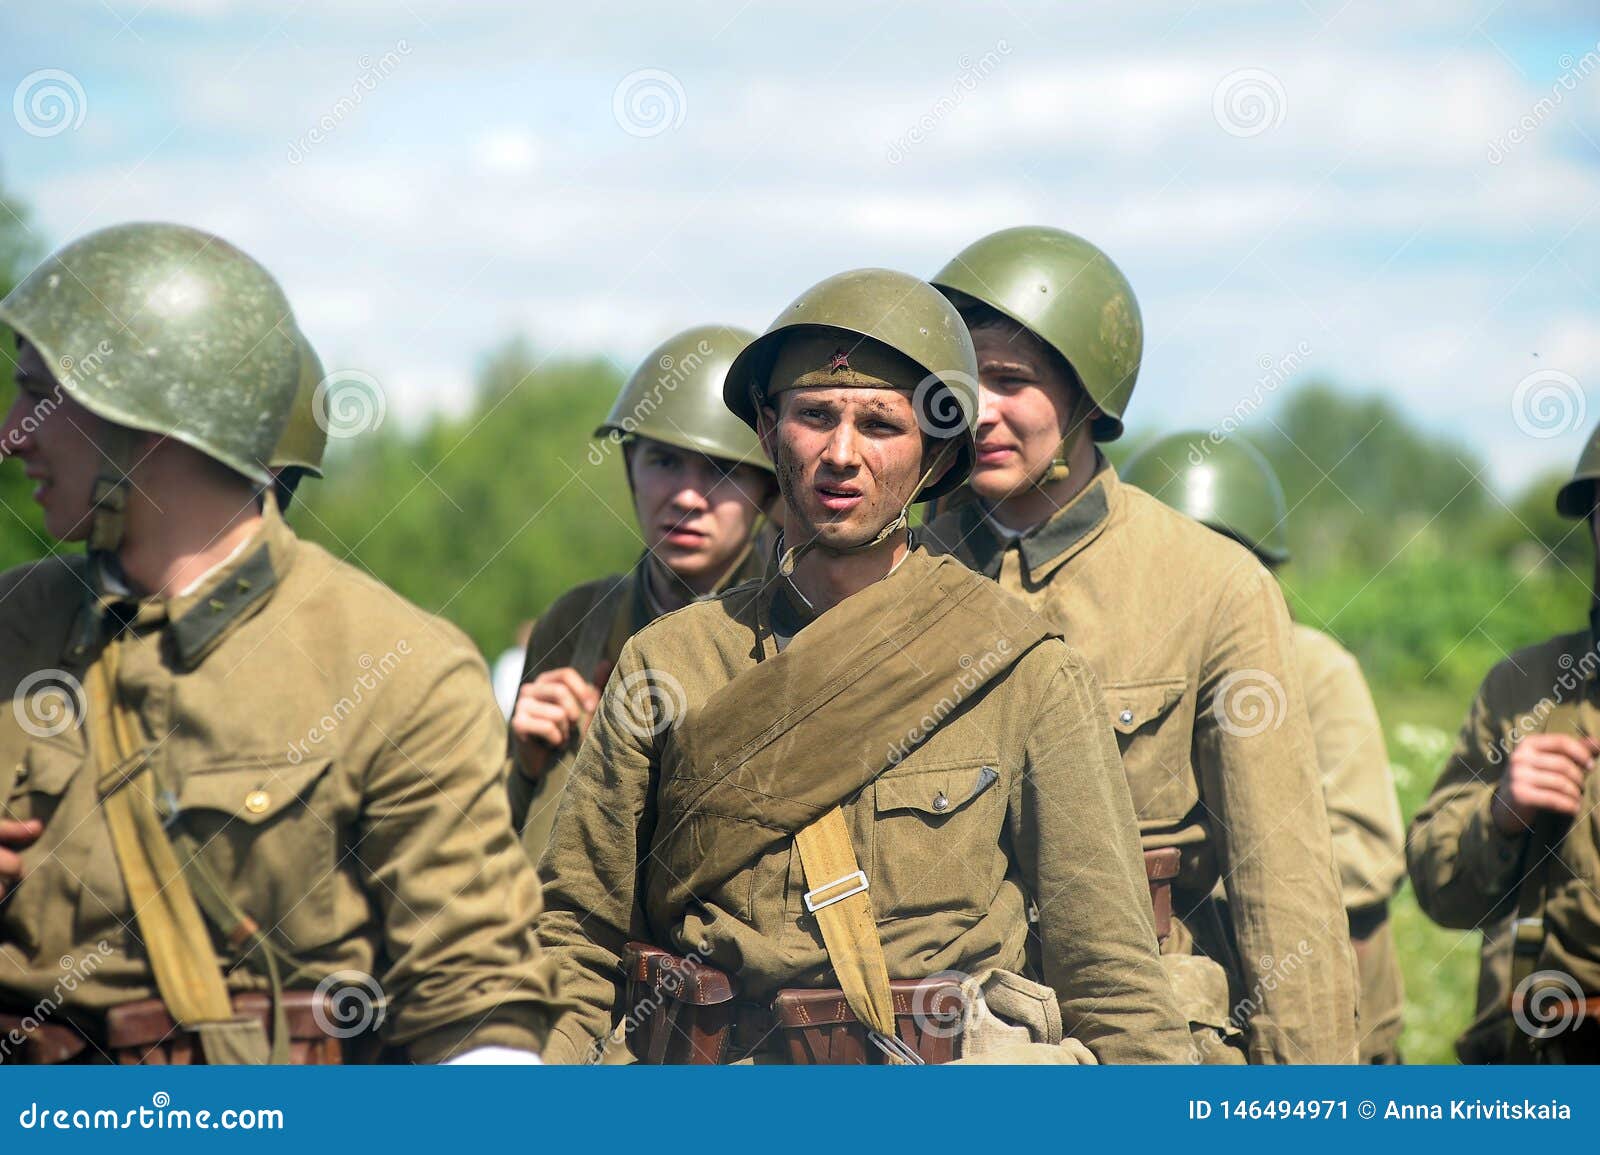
{"x": 489, "y": 517}
{"x": 22, "y": 535}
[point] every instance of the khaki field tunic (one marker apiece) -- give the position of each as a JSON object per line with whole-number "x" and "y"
{"x": 339, "y": 756}
{"x": 1468, "y": 875}
{"x": 1013, "y": 798}
{"x": 1368, "y": 834}
{"x": 1190, "y": 639}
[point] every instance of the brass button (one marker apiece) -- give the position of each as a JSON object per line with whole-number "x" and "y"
{"x": 1126, "y": 717}
{"x": 257, "y": 801}
{"x": 217, "y": 605}
{"x": 940, "y": 802}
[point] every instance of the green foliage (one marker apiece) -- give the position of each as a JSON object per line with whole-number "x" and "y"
{"x": 486, "y": 518}
{"x": 21, "y": 525}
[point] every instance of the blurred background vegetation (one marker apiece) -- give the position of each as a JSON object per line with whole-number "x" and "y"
{"x": 1402, "y": 552}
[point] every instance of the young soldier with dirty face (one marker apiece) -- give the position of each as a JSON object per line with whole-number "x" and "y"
{"x": 866, "y": 769}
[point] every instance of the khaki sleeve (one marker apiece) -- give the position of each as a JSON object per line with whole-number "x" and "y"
{"x": 1073, "y": 825}
{"x": 590, "y": 870}
{"x": 1257, "y": 765}
{"x": 455, "y": 894}
{"x": 1358, "y": 787}
{"x": 551, "y": 645}
{"x": 1463, "y": 869}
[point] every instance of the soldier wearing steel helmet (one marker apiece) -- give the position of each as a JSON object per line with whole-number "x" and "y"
{"x": 1509, "y": 839}
{"x": 827, "y": 799}
{"x": 1227, "y": 485}
{"x": 1187, "y": 633}
{"x": 700, "y": 484}
{"x": 244, "y": 773}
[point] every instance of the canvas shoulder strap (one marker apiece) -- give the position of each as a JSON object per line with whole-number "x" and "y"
{"x": 186, "y": 970}
{"x": 840, "y": 901}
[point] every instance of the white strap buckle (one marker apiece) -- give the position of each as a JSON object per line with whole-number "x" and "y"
{"x": 857, "y": 878}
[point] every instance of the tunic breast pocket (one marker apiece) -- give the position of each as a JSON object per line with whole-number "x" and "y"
{"x": 936, "y": 838}
{"x": 1154, "y": 721}
{"x": 269, "y": 832}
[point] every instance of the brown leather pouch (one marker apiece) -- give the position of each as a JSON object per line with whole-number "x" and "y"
{"x": 143, "y": 1032}
{"x": 679, "y": 1010}
{"x": 819, "y": 1027}
{"x": 1160, "y": 870}
{"x": 42, "y": 1043}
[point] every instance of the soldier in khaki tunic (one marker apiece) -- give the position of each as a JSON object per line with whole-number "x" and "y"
{"x": 863, "y": 771}
{"x": 700, "y": 484}
{"x": 1188, "y": 634}
{"x": 239, "y": 768}
{"x": 1228, "y": 486}
{"x": 1509, "y": 840}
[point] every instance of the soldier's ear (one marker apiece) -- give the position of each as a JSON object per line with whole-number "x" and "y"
{"x": 767, "y": 430}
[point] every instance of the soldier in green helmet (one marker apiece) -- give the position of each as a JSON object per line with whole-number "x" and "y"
{"x": 700, "y": 485}
{"x": 1227, "y": 485}
{"x": 236, "y": 774}
{"x": 1509, "y": 840}
{"x": 1189, "y": 636}
{"x": 823, "y": 803}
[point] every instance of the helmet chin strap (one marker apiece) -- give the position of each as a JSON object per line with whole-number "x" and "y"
{"x": 791, "y": 556}
{"x": 108, "y": 522}
{"x": 1059, "y": 469}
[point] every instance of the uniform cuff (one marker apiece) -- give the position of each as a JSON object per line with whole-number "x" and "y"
{"x": 1490, "y": 855}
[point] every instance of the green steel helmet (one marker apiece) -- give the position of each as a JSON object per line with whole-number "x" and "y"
{"x": 1226, "y": 485}
{"x": 304, "y": 438}
{"x": 675, "y": 397}
{"x": 1071, "y": 296}
{"x": 1576, "y": 498}
{"x": 167, "y": 330}
{"x": 912, "y": 321}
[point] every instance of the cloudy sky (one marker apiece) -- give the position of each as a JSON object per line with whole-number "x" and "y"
{"x": 1400, "y": 197}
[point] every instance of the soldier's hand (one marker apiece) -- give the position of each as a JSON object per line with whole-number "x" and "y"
{"x": 551, "y": 710}
{"x": 1546, "y": 772}
{"x": 15, "y": 837}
